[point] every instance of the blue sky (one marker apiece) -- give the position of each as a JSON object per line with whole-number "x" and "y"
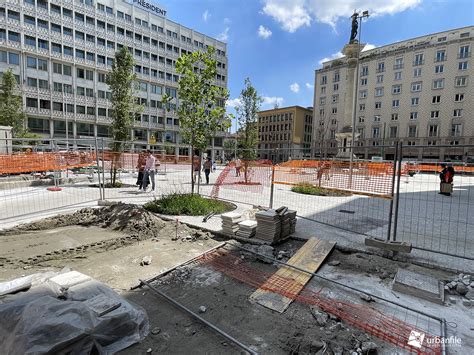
{"x": 297, "y": 34}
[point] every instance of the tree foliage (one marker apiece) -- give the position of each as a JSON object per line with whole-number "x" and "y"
{"x": 11, "y": 106}
{"x": 247, "y": 111}
{"x": 199, "y": 112}
{"x": 121, "y": 82}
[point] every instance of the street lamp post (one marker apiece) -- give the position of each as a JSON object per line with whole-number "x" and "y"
{"x": 365, "y": 14}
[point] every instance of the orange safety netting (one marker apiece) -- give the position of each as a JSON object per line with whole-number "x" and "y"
{"x": 386, "y": 327}
{"x": 362, "y": 177}
{"x": 45, "y": 161}
{"x": 252, "y": 177}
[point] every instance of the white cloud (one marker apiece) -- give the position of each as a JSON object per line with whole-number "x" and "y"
{"x": 224, "y": 35}
{"x": 264, "y": 32}
{"x": 295, "y": 87}
{"x": 232, "y": 103}
{"x": 227, "y": 21}
{"x": 272, "y": 101}
{"x": 206, "y": 15}
{"x": 331, "y": 57}
{"x": 368, "y": 47}
{"x": 309, "y": 86}
{"x": 293, "y": 14}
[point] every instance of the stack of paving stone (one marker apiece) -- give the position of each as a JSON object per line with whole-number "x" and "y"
{"x": 268, "y": 226}
{"x": 247, "y": 229}
{"x": 288, "y": 223}
{"x": 230, "y": 222}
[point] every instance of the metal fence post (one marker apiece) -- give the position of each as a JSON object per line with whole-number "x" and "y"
{"x": 395, "y": 159}
{"x": 103, "y": 170}
{"x": 397, "y": 200}
{"x": 98, "y": 168}
{"x": 272, "y": 186}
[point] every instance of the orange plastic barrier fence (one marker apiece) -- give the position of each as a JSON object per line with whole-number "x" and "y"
{"x": 45, "y": 161}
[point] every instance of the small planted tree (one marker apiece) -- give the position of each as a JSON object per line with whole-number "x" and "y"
{"x": 121, "y": 82}
{"x": 248, "y": 132}
{"x": 11, "y": 106}
{"x": 201, "y": 109}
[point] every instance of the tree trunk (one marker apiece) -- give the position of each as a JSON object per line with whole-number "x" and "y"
{"x": 246, "y": 166}
{"x": 192, "y": 169}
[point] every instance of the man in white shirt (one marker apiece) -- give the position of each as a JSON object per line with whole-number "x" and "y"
{"x": 149, "y": 171}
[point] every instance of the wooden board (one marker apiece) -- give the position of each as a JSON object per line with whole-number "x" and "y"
{"x": 287, "y": 280}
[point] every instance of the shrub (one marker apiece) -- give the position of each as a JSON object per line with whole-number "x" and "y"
{"x": 187, "y": 205}
{"x": 308, "y": 189}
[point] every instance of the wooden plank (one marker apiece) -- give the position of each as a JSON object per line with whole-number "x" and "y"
{"x": 281, "y": 288}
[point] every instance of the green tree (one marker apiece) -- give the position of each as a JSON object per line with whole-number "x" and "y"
{"x": 11, "y": 106}
{"x": 121, "y": 81}
{"x": 247, "y": 111}
{"x": 201, "y": 108}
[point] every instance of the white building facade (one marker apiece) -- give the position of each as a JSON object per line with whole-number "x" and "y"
{"x": 61, "y": 51}
{"x": 418, "y": 92}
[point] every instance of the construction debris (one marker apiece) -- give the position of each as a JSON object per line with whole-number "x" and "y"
{"x": 275, "y": 225}
{"x": 419, "y": 285}
{"x": 230, "y": 222}
{"x": 247, "y": 229}
{"x": 146, "y": 261}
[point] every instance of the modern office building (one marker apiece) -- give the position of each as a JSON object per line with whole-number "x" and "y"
{"x": 285, "y": 133}
{"x": 418, "y": 91}
{"x": 61, "y": 50}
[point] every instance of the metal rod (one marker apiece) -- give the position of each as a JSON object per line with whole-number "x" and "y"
{"x": 98, "y": 167}
{"x": 272, "y": 186}
{"x": 397, "y": 200}
{"x": 336, "y": 282}
{"x": 443, "y": 336}
{"x": 103, "y": 170}
{"x": 163, "y": 273}
{"x": 199, "y": 318}
{"x": 389, "y": 230}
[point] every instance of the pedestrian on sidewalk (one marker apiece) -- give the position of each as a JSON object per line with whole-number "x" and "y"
{"x": 446, "y": 180}
{"x": 196, "y": 168}
{"x": 141, "y": 169}
{"x": 150, "y": 169}
{"x": 238, "y": 166}
{"x": 207, "y": 166}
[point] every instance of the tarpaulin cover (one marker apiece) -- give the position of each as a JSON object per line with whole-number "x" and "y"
{"x": 48, "y": 320}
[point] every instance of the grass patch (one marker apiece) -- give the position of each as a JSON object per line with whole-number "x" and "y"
{"x": 308, "y": 189}
{"x": 187, "y": 205}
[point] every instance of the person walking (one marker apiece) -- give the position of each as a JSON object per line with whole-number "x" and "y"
{"x": 141, "y": 169}
{"x": 238, "y": 166}
{"x": 207, "y": 166}
{"x": 446, "y": 180}
{"x": 196, "y": 168}
{"x": 150, "y": 167}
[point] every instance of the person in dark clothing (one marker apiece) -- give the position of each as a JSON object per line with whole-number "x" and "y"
{"x": 141, "y": 168}
{"x": 207, "y": 166}
{"x": 446, "y": 177}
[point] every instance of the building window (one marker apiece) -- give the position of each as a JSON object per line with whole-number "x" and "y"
{"x": 335, "y": 98}
{"x": 13, "y": 58}
{"x": 380, "y": 79}
{"x": 365, "y": 71}
{"x": 436, "y": 99}
{"x": 398, "y": 63}
{"x": 336, "y": 77}
{"x": 419, "y": 59}
{"x": 434, "y": 114}
{"x": 415, "y": 101}
{"x": 464, "y": 52}
{"x": 440, "y": 55}
{"x": 398, "y": 75}
{"x": 416, "y": 87}
{"x": 363, "y": 81}
{"x": 395, "y": 103}
{"x": 413, "y": 115}
{"x": 323, "y": 89}
{"x": 394, "y": 117}
{"x": 459, "y": 97}
{"x": 324, "y": 80}
{"x": 377, "y": 118}
{"x": 439, "y": 68}
{"x": 363, "y": 94}
{"x": 456, "y": 130}
{"x": 462, "y": 65}
{"x": 378, "y": 105}
{"x": 378, "y": 91}
{"x": 335, "y": 87}
{"x": 460, "y": 81}
{"x": 412, "y": 131}
{"x": 417, "y": 72}
{"x": 393, "y": 132}
{"x": 361, "y": 119}
{"x": 457, "y": 112}
{"x": 380, "y": 67}
{"x": 396, "y": 89}
{"x": 322, "y": 100}
{"x": 334, "y": 110}
{"x": 433, "y": 130}
{"x": 438, "y": 83}
{"x": 375, "y": 132}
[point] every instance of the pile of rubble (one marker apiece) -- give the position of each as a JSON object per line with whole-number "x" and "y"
{"x": 462, "y": 285}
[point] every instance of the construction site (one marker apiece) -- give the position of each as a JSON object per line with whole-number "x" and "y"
{"x": 373, "y": 267}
